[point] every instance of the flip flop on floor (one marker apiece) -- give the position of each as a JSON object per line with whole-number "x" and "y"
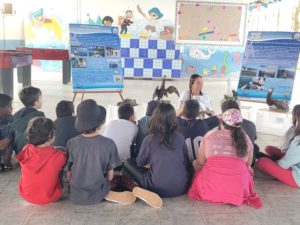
{"x": 125, "y": 197}
{"x": 149, "y": 197}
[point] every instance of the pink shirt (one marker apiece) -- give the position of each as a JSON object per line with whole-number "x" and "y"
{"x": 219, "y": 143}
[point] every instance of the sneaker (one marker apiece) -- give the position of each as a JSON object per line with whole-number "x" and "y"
{"x": 149, "y": 197}
{"x": 125, "y": 197}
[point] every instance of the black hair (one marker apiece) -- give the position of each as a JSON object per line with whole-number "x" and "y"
{"x": 64, "y": 108}
{"x": 192, "y": 80}
{"x": 91, "y": 130}
{"x": 5, "y": 100}
{"x": 29, "y": 95}
{"x": 163, "y": 123}
{"x": 296, "y": 118}
{"x": 191, "y": 109}
{"x": 238, "y": 139}
{"x": 125, "y": 111}
{"x": 229, "y": 104}
{"x": 39, "y": 130}
{"x": 107, "y": 18}
{"x": 152, "y": 105}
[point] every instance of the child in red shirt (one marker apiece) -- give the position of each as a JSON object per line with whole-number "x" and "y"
{"x": 40, "y": 164}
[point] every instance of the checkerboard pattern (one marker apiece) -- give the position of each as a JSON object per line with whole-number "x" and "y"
{"x": 150, "y": 58}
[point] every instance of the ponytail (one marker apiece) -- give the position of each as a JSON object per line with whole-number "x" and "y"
{"x": 238, "y": 139}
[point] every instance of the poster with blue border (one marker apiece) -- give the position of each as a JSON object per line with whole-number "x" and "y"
{"x": 269, "y": 62}
{"x": 95, "y": 58}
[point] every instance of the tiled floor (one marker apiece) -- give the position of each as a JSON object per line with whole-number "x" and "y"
{"x": 280, "y": 202}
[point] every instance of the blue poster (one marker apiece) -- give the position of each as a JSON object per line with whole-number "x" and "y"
{"x": 269, "y": 62}
{"x": 95, "y": 58}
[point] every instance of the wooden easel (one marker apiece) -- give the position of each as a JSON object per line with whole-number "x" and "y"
{"x": 94, "y": 92}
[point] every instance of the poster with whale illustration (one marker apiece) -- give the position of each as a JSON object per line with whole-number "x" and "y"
{"x": 211, "y": 60}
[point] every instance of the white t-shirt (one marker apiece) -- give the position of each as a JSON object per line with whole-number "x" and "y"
{"x": 123, "y": 133}
{"x": 204, "y": 100}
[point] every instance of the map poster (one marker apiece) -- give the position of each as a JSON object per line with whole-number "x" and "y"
{"x": 270, "y": 62}
{"x": 95, "y": 58}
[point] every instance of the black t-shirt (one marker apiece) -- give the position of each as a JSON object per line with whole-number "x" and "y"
{"x": 193, "y": 131}
{"x": 65, "y": 130}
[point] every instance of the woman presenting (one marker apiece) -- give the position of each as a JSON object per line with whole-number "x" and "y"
{"x": 195, "y": 92}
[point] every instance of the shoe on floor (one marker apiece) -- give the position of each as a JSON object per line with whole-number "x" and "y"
{"x": 125, "y": 197}
{"x": 149, "y": 197}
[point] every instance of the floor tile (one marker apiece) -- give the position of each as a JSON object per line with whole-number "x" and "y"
{"x": 103, "y": 206}
{"x": 181, "y": 218}
{"x": 105, "y": 218}
{"x": 148, "y": 217}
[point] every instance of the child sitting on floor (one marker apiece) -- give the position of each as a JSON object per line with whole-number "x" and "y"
{"x": 277, "y": 153}
{"x": 64, "y": 124}
{"x": 123, "y": 131}
{"x": 41, "y": 164}
{"x": 165, "y": 155}
{"x": 224, "y": 174}
{"x": 192, "y": 129}
{"x": 287, "y": 168}
{"x": 5, "y": 119}
{"x": 143, "y": 130}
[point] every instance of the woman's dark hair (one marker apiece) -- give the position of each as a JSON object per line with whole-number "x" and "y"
{"x": 163, "y": 123}
{"x": 64, "y": 108}
{"x": 4, "y": 100}
{"x": 191, "y": 109}
{"x": 29, "y": 95}
{"x": 39, "y": 130}
{"x": 192, "y": 81}
{"x": 296, "y": 117}
{"x": 238, "y": 139}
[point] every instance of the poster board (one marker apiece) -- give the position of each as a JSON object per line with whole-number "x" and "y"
{"x": 216, "y": 23}
{"x": 95, "y": 58}
{"x": 269, "y": 62}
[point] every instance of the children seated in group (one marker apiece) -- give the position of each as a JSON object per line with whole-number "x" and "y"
{"x": 165, "y": 155}
{"x": 41, "y": 164}
{"x": 31, "y": 97}
{"x": 92, "y": 160}
{"x": 223, "y": 164}
{"x": 143, "y": 130}
{"x": 123, "y": 131}
{"x": 5, "y": 119}
{"x": 287, "y": 168}
{"x": 193, "y": 129}
{"x": 64, "y": 124}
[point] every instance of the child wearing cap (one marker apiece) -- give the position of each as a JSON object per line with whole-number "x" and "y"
{"x": 223, "y": 165}
{"x": 92, "y": 160}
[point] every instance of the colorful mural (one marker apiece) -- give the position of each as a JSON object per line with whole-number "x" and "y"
{"x": 211, "y": 61}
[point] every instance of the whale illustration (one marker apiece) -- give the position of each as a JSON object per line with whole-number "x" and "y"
{"x": 198, "y": 53}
